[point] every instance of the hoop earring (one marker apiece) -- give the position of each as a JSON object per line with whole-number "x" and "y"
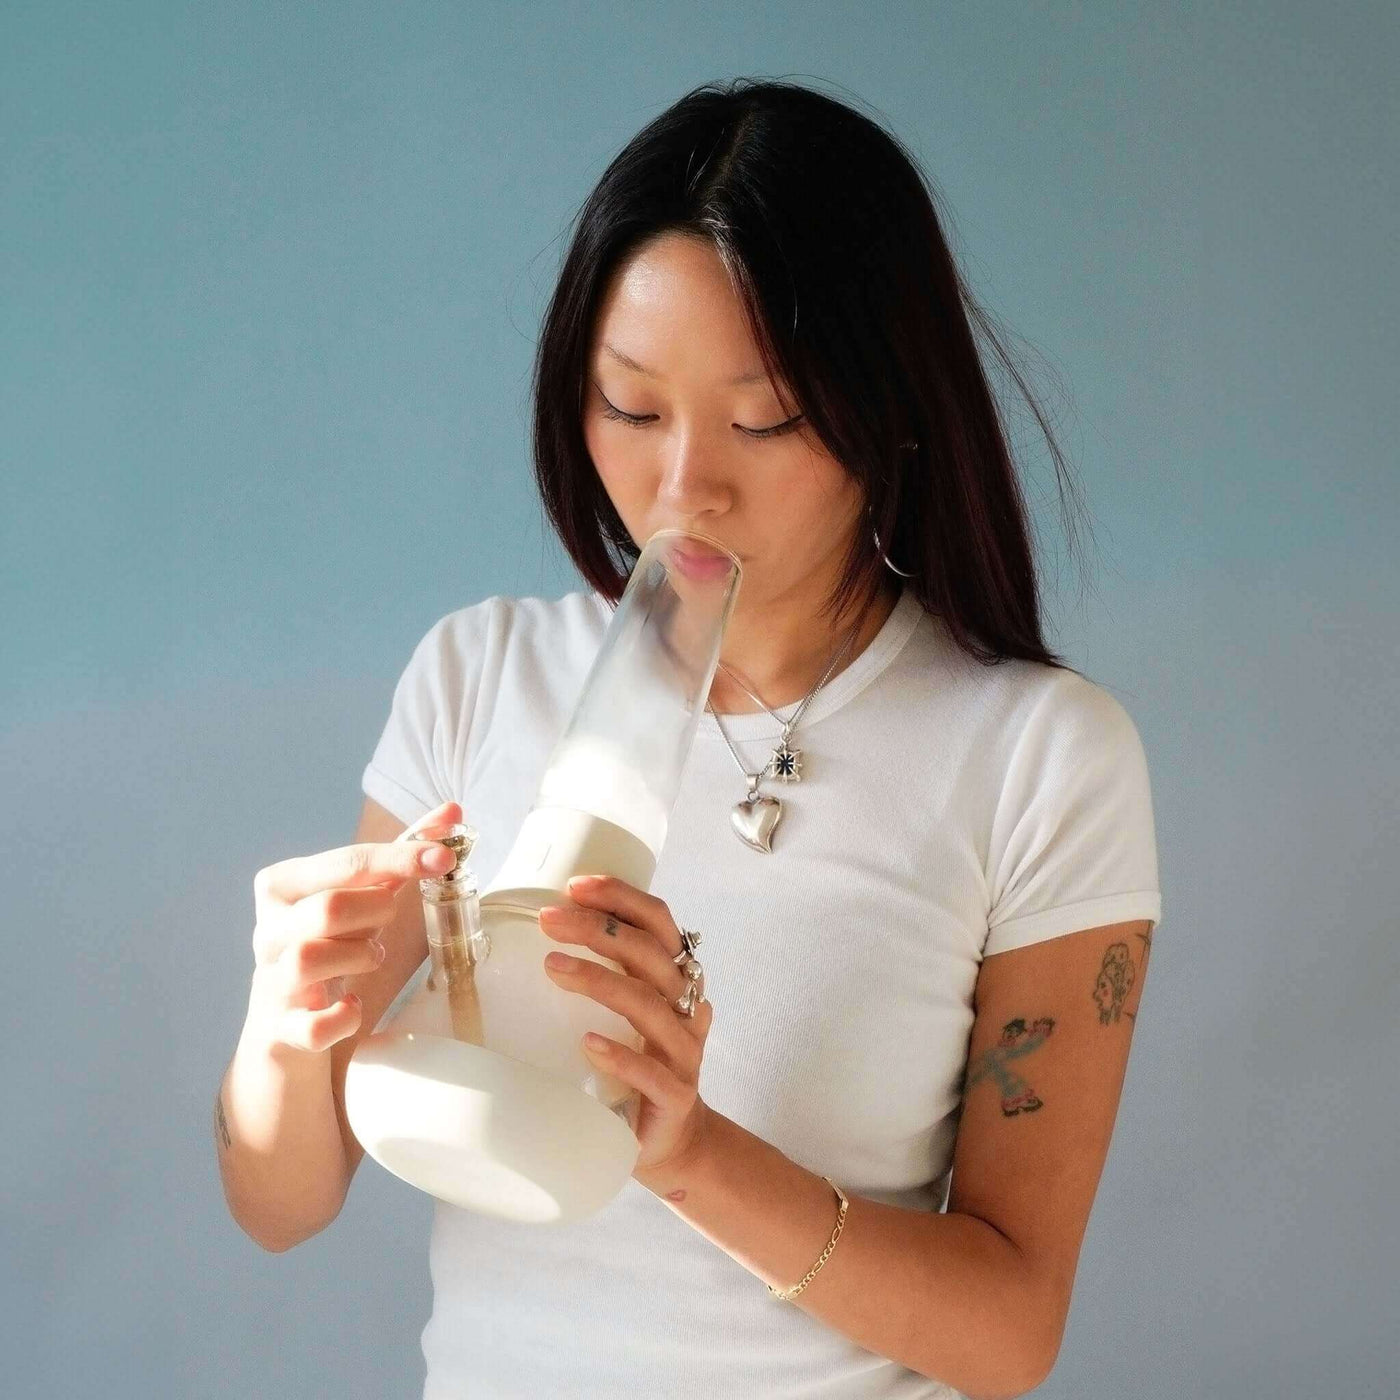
{"x": 879, "y": 549}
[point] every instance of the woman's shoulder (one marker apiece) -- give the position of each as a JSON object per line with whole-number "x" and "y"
{"x": 1010, "y": 690}
{"x": 505, "y": 631}
{"x": 526, "y": 617}
{"x": 1060, "y": 713}
{"x": 1016, "y": 704}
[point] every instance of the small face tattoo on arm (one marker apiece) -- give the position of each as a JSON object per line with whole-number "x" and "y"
{"x": 1114, "y": 982}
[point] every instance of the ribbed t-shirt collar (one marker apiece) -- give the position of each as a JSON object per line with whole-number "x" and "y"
{"x": 886, "y": 644}
{"x": 896, "y": 630}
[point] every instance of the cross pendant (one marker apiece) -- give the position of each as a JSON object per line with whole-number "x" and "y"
{"x": 786, "y": 763}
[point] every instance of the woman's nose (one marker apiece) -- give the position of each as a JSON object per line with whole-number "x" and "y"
{"x": 693, "y": 480}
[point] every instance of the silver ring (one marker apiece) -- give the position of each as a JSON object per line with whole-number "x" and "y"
{"x": 694, "y": 993}
{"x": 690, "y": 941}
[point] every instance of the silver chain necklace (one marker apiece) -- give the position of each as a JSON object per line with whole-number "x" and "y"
{"x": 755, "y": 817}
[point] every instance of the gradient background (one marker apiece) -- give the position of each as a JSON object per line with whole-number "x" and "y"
{"x": 270, "y": 280}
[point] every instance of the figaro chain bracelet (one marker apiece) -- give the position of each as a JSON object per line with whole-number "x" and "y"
{"x": 788, "y": 1294}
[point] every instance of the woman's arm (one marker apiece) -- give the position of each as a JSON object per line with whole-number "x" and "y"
{"x": 977, "y": 1297}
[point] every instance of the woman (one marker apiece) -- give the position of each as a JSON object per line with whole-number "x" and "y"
{"x": 925, "y": 922}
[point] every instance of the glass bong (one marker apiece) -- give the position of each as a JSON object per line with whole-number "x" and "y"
{"x": 473, "y": 1086}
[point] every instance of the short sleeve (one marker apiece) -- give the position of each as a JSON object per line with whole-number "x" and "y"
{"x": 1073, "y": 841}
{"x": 415, "y": 765}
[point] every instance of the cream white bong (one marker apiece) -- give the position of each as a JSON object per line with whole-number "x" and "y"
{"x": 472, "y": 1086}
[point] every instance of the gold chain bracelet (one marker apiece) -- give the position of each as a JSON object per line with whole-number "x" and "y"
{"x": 788, "y": 1294}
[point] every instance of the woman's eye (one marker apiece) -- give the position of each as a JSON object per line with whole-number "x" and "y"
{"x": 616, "y": 413}
{"x": 633, "y": 420}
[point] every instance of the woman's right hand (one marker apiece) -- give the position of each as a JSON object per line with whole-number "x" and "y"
{"x": 317, "y": 917}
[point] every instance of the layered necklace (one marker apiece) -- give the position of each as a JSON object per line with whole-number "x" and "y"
{"x": 755, "y": 817}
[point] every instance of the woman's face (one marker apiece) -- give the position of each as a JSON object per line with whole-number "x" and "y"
{"x": 703, "y": 456}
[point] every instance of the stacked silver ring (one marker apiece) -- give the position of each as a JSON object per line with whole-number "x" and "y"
{"x": 694, "y": 993}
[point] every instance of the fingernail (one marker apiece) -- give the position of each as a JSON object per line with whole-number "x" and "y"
{"x": 585, "y": 882}
{"x": 437, "y": 858}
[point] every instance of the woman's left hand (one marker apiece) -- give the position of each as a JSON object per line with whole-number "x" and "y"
{"x": 636, "y": 930}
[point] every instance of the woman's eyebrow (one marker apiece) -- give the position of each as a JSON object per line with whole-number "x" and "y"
{"x": 752, "y": 377}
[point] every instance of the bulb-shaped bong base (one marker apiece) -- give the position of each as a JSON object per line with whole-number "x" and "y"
{"x": 515, "y": 1122}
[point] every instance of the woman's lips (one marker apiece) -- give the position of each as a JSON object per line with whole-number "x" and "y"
{"x": 697, "y": 562}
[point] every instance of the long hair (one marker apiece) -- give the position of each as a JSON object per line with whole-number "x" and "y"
{"x": 828, "y": 231}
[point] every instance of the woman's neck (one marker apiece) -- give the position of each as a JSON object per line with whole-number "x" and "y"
{"x": 782, "y": 656}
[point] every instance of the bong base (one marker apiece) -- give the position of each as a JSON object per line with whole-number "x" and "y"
{"x": 485, "y": 1132}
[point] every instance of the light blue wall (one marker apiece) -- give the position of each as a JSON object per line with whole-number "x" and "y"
{"x": 270, "y": 278}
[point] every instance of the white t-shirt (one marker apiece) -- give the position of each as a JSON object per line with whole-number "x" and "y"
{"x": 946, "y": 811}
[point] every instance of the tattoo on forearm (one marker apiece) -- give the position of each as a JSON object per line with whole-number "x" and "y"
{"x": 1017, "y": 1039}
{"x": 223, "y": 1122}
{"x": 1115, "y": 981}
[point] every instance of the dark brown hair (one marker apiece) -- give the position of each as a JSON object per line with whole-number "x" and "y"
{"x": 828, "y": 230}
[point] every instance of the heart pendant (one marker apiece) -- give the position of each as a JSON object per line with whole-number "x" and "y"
{"x": 754, "y": 819}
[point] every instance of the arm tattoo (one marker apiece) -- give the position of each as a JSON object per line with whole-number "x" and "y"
{"x": 223, "y": 1122}
{"x": 1017, "y": 1039}
{"x": 1115, "y": 981}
